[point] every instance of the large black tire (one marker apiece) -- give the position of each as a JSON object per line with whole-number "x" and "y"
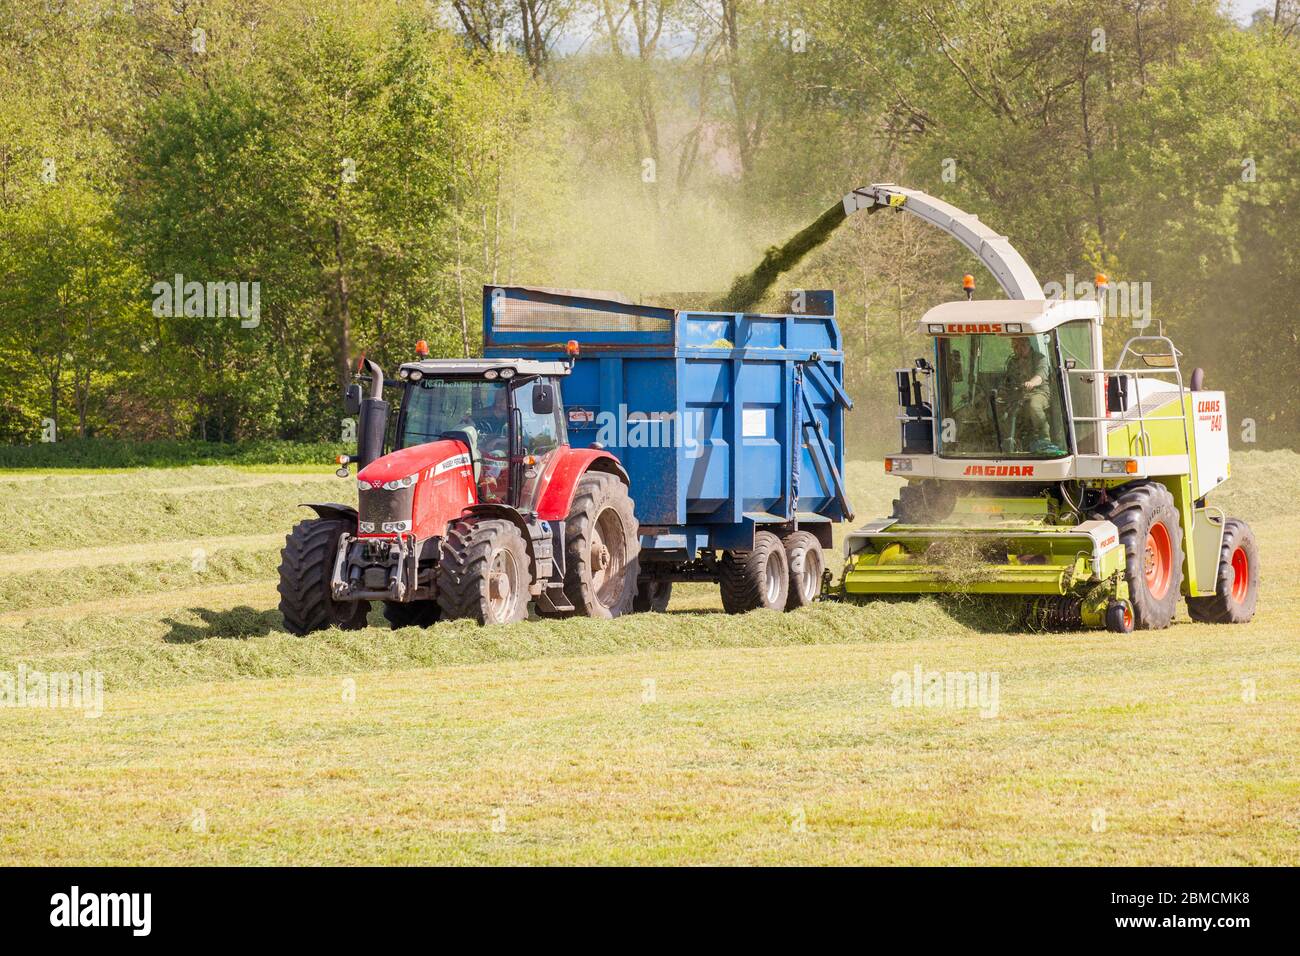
{"x": 1152, "y": 535}
{"x": 1237, "y": 583}
{"x": 484, "y": 572}
{"x": 411, "y": 613}
{"x": 755, "y": 579}
{"x": 652, "y": 596}
{"x": 306, "y": 566}
{"x": 602, "y": 556}
{"x": 803, "y": 553}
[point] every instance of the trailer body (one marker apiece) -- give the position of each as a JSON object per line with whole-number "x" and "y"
{"x": 727, "y": 423}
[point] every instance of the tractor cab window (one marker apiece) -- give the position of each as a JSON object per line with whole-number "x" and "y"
{"x": 540, "y": 435}
{"x": 479, "y": 410}
{"x": 1000, "y": 397}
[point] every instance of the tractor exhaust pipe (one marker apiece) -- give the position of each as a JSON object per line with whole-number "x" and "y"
{"x": 373, "y": 421}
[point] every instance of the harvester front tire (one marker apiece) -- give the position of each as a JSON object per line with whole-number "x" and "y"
{"x": 652, "y": 596}
{"x": 1236, "y": 587}
{"x": 400, "y": 614}
{"x": 484, "y": 572}
{"x": 803, "y": 553}
{"x": 1152, "y": 536}
{"x": 306, "y": 566}
{"x": 602, "y": 558}
{"x": 757, "y": 579}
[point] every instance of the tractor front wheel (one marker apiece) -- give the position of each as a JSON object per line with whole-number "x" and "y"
{"x": 483, "y": 572}
{"x": 756, "y": 579}
{"x": 1236, "y": 586}
{"x": 1152, "y": 536}
{"x": 306, "y": 566}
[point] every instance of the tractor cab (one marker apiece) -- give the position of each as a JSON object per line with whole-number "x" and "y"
{"x": 508, "y": 415}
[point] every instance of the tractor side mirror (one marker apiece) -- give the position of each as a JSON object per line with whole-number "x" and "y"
{"x": 1117, "y": 393}
{"x": 543, "y": 399}
{"x": 352, "y": 399}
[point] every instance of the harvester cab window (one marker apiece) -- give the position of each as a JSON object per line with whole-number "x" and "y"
{"x": 1078, "y": 351}
{"x": 1000, "y": 397}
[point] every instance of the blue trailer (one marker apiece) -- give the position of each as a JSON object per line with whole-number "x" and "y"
{"x": 730, "y": 428}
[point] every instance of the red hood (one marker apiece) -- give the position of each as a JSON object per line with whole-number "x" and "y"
{"x": 409, "y": 461}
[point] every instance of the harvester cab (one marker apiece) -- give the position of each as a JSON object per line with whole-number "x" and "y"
{"x": 1034, "y": 469}
{"x": 480, "y": 508}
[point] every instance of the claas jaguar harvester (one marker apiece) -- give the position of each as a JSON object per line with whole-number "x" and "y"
{"x": 1036, "y": 469}
{"x": 507, "y": 484}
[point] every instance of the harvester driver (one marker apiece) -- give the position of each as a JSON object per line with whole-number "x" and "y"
{"x": 1027, "y": 371}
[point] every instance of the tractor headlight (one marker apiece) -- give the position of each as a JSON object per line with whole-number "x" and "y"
{"x": 895, "y": 465}
{"x": 396, "y": 527}
{"x": 366, "y": 527}
{"x": 507, "y": 373}
{"x": 1118, "y": 466}
{"x": 400, "y": 483}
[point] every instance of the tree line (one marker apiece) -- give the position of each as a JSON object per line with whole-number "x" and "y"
{"x": 210, "y": 208}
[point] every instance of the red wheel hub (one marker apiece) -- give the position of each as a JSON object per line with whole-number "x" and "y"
{"x": 1157, "y": 562}
{"x": 1240, "y": 575}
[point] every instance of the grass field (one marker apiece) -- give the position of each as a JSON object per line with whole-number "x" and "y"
{"x": 689, "y": 737}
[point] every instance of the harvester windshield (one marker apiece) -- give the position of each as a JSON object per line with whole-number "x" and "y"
{"x": 999, "y": 396}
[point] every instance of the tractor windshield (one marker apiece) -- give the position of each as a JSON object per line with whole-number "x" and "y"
{"x": 477, "y": 409}
{"x": 1000, "y": 397}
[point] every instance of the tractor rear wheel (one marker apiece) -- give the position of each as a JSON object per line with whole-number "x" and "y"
{"x": 652, "y": 596}
{"x": 803, "y": 553}
{"x": 1148, "y": 526}
{"x": 306, "y": 566}
{"x": 756, "y": 579}
{"x": 483, "y": 572}
{"x": 411, "y": 613}
{"x": 602, "y": 556}
{"x": 1237, "y": 583}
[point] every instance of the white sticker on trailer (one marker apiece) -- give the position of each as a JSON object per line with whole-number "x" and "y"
{"x": 755, "y": 423}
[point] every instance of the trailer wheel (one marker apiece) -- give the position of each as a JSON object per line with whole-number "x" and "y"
{"x": 1237, "y": 584}
{"x": 411, "y": 613}
{"x": 1148, "y": 526}
{"x": 603, "y": 548}
{"x": 652, "y": 596}
{"x": 803, "y": 553}
{"x": 755, "y": 579}
{"x": 483, "y": 572}
{"x": 306, "y": 566}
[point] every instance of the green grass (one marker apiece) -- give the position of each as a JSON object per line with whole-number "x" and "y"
{"x": 754, "y": 723}
{"x": 93, "y": 453}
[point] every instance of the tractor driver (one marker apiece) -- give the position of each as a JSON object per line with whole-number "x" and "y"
{"x": 489, "y": 417}
{"x": 1027, "y": 370}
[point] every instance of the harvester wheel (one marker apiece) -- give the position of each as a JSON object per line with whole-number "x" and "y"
{"x": 1119, "y": 617}
{"x": 603, "y": 548}
{"x": 803, "y": 553}
{"x": 758, "y": 578}
{"x": 927, "y": 501}
{"x": 483, "y": 572}
{"x": 306, "y": 566}
{"x": 411, "y": 613}
{"x": 652, "y": 595}
{"x": 1237, "y": 585}
{"x": 1149, "y": 528}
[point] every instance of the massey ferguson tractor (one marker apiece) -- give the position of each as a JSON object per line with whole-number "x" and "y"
{"x": 1036, "y": 470}
{"x": 481, "y": 508}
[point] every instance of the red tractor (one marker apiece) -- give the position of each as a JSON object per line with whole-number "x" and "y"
{"x": 481, "y": 508}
